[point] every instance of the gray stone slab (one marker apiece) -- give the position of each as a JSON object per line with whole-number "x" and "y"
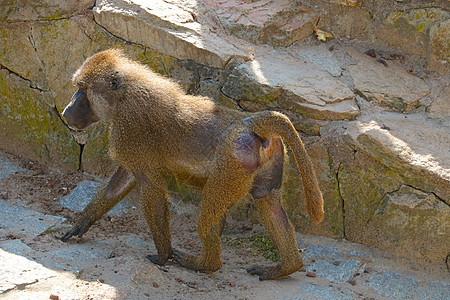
{"x": 390, "y": 87}
{"x": 392, "y": 285}
{"x": 76, "y": 270}
{"x": 138, "y": 243}
{"x": 338, "y": 270}
{"x": 354, "y": 253}
{"x": 76, "y": 257}
{"x": 314, "y": 292}
{"x": 81, "y": 254}
{"x": 319, "y": 55}
{"x": 315, "y": 251}
{"x": 19, "y": 248}
{"x": 440, "y": 108}
{"x": 395, "y": 286}
{"x": 25, "y": 221}
{"x": 438, "y": 291}
{"x": 16, "y": 247}
{"x": 7, "y": 168}
{"x": 82, "y": 195}
{"x": 17, "y": 270}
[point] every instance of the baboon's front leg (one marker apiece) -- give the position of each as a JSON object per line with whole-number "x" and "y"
{"x": 155, "y": 207}
{"x": 120, "y": 184}
{"x": 280, "y": 230}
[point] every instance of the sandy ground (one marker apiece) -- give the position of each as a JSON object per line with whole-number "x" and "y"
{"x": 123, "y": 272}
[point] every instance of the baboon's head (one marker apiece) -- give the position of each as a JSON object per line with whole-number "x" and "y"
{"x": 100, "y": 85}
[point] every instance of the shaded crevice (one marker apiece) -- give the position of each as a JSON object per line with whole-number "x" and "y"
{"x": 342, "y": 200}
{"x": 415, "y": 188}
{"x": 33, "y": 44}
{"x": 60, "y": 116}
{"x": 31, "y": 83}
{"x": 427, "y": 192}
{"x": 116, "y": 36}
{"x": 87, "y": 35}
{"x": 37, "y": 20}
{"x": 80, "y": 158}
{"x": 381, "y": 202}
{"x": 237, "y": 101}
{"x": 160, "y": 60}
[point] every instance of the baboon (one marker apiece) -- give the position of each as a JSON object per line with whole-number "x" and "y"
{"x": 156, "y": 129}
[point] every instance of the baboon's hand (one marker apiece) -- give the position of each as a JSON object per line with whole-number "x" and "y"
{"x": 79, "y": 229}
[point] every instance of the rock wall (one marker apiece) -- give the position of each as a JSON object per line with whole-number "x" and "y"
{"x": 372, "y": 104}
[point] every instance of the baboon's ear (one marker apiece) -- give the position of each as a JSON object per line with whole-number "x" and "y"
{"x": 115, "y": 81}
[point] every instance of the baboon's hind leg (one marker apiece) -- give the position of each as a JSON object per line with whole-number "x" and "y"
{"x": 267, "y": 195}
{"x": 280, "y": 230}
{"x": 221, "y": 191}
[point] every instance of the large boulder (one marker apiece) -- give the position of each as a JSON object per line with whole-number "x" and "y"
{"x": 31, "y": 128}
{"x": 277, "y": 23}
{"x": 50, "y": 51}
{"x": 43, "y": 10}
{"x": 418, "y": 29}
{"x": 440, "y": 108}
{"x": 393, "y": 177}
{"x": 166, "y": 28}
{"x": 440, "y": 46}
{"x": 281, "y": 80}
{"x": 387, "y": 85}
{"x": 385, "y": 180}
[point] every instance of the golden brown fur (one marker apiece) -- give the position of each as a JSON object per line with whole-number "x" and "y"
{"x": 156, "y": 129}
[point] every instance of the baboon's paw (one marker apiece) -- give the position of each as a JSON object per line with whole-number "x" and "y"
{"x": 196, "y": 263}
{"x": 183, "y": 258}
{"x": 269, "y": 273}
{"x": 156, "y": 259}
{"x": 79, "y": 229}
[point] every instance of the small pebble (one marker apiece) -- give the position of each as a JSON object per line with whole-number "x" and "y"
{"x": 311, "y": 274}
{"x": 371, "y": 53}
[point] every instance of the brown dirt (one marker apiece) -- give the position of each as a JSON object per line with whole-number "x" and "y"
{"x": 128, "y": 275}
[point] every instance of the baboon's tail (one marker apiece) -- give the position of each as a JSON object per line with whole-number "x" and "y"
{"x": 270, "y": 124}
